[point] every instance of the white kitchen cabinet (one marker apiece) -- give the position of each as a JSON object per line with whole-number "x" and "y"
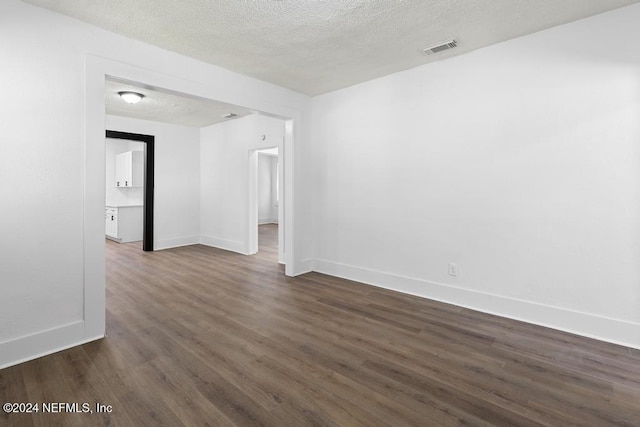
{"x": 111, "y": 222}
{"x": 129, "y": 169}
{"x": 123, "y": 224}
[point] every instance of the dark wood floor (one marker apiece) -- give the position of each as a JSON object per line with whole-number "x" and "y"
{"x": 202, "y": 337}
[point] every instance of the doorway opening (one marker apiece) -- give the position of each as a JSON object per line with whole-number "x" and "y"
{"x": 265, "y": 193}
{"x": 148, "y": 161}
{"x": 98, "y": 70}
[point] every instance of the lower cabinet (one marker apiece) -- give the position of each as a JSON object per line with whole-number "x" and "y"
{"x": 123, "y": 224}
{"x": 111, "y": 222}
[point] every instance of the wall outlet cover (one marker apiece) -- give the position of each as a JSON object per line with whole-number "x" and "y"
{"x": 453, "y": 269}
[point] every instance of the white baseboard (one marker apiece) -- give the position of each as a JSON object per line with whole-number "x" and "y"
{"x": 263, "y": 221}
{"x": 227, "y": 245}
{"x": 602, "y": 328}
{"x": 159, "y": 245}
{"x": 29, "y": 347}
{"x": 303, "y": 266}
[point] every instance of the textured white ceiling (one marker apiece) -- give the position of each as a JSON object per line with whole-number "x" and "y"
{"x": 317, "y": 46}
{"x": 162, "y": 106}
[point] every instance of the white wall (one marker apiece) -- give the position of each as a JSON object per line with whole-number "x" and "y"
{"x": 225, "y": 150}
{"x": 519, "y": 162}
{"x": 52, "y": 250}
{"x": 275, "y": 190}
{"x": 118, "y": 196}
{"x": 268, "y": 186}
{"x": 177, "y": 179}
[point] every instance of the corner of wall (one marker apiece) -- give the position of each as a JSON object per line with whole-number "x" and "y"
{"x": 43, "y": 343}
{"x": 227, "y": 245}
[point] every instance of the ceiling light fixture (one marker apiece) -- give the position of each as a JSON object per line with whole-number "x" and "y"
{"x": 131, "y": 97}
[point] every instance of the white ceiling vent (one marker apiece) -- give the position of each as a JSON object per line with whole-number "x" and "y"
{"x": 449, "y": 44}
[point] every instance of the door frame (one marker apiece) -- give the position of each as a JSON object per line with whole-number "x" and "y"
{"x": 148, "y": 189}
{"x": 200, "y": 82}
{"x": 252, "y": 226}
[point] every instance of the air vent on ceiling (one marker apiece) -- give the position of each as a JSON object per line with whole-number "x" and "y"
{"x": 449, "y": 44}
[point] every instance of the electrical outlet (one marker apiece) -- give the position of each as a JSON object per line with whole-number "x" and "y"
{"x": 453, "y": 269}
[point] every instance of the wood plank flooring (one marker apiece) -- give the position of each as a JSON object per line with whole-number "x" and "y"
{"x": 197, "y": 336}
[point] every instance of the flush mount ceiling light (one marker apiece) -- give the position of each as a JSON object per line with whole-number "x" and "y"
{"x": 131, "y": 97}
